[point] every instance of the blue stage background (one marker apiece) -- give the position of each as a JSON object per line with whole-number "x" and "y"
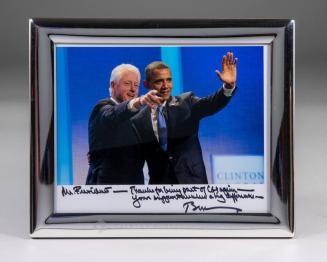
{"x": 83, "y": 78}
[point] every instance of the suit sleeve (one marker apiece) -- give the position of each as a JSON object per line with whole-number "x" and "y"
{"x": 112, "y": 115}
{"x": 206, "y": 106}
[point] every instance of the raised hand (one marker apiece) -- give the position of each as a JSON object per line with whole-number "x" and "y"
{"x": 228, "y": 73}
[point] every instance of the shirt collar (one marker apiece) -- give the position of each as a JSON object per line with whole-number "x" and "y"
{"x": 153, "y": 110}
{"x": 114, "y": 100}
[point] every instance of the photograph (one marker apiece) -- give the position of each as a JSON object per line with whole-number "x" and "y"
{"x": 162, "y": 128}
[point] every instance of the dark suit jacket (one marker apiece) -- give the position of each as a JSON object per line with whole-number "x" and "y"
{"x": 114, "y": 148}
{"x": 183, "y": 161}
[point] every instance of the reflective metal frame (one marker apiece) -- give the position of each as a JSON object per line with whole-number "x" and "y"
{"x": 159, "y": 225}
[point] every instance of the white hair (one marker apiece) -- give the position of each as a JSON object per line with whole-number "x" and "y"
{"x": 118, "y": 71}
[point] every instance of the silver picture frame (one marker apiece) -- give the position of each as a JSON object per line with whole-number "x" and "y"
{"x": 45, "y": 222}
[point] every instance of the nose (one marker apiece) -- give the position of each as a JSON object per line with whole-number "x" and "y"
{"x": 164, "y": 83}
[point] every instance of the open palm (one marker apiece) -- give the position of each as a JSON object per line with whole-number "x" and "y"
{"x": 228, "y": 73}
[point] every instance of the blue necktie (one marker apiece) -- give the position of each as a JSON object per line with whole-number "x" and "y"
{"x": 162, "y": 128}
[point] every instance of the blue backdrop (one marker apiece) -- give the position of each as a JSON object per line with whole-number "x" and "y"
{"x": 83, "y": 78}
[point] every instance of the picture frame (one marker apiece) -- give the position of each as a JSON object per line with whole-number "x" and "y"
{"x": 248, "y": 189}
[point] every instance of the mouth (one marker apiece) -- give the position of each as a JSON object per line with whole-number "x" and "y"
{"x": 130, "y": 95}
{"x": 164, "y": 93}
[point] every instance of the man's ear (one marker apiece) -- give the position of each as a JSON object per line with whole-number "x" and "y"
{"x": 112, "y": 89}
{"x": 146, "y": 84}
{"x": 112, "y": 84}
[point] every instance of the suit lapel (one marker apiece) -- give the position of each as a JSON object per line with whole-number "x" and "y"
{"x": 171, "y": 114}
{"x": 146, "y": 122}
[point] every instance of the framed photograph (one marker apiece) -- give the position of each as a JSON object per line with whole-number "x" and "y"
{"x": 161, "y": 128}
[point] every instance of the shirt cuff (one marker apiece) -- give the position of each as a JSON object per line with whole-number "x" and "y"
{"x": 131, "y": 105}
{"x": 228, "y": 91}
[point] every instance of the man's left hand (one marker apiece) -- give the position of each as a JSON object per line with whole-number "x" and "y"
{"x": 228, "y": 73}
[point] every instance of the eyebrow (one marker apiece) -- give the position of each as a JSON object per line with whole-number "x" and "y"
{"x": 130, "y": 81}
{"x": 161, "y": 79}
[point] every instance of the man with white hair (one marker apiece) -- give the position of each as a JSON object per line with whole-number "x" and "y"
{"x": 115, "y": 156}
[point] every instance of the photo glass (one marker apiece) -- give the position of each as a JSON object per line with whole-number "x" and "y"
{"x": 234, "y": 140}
